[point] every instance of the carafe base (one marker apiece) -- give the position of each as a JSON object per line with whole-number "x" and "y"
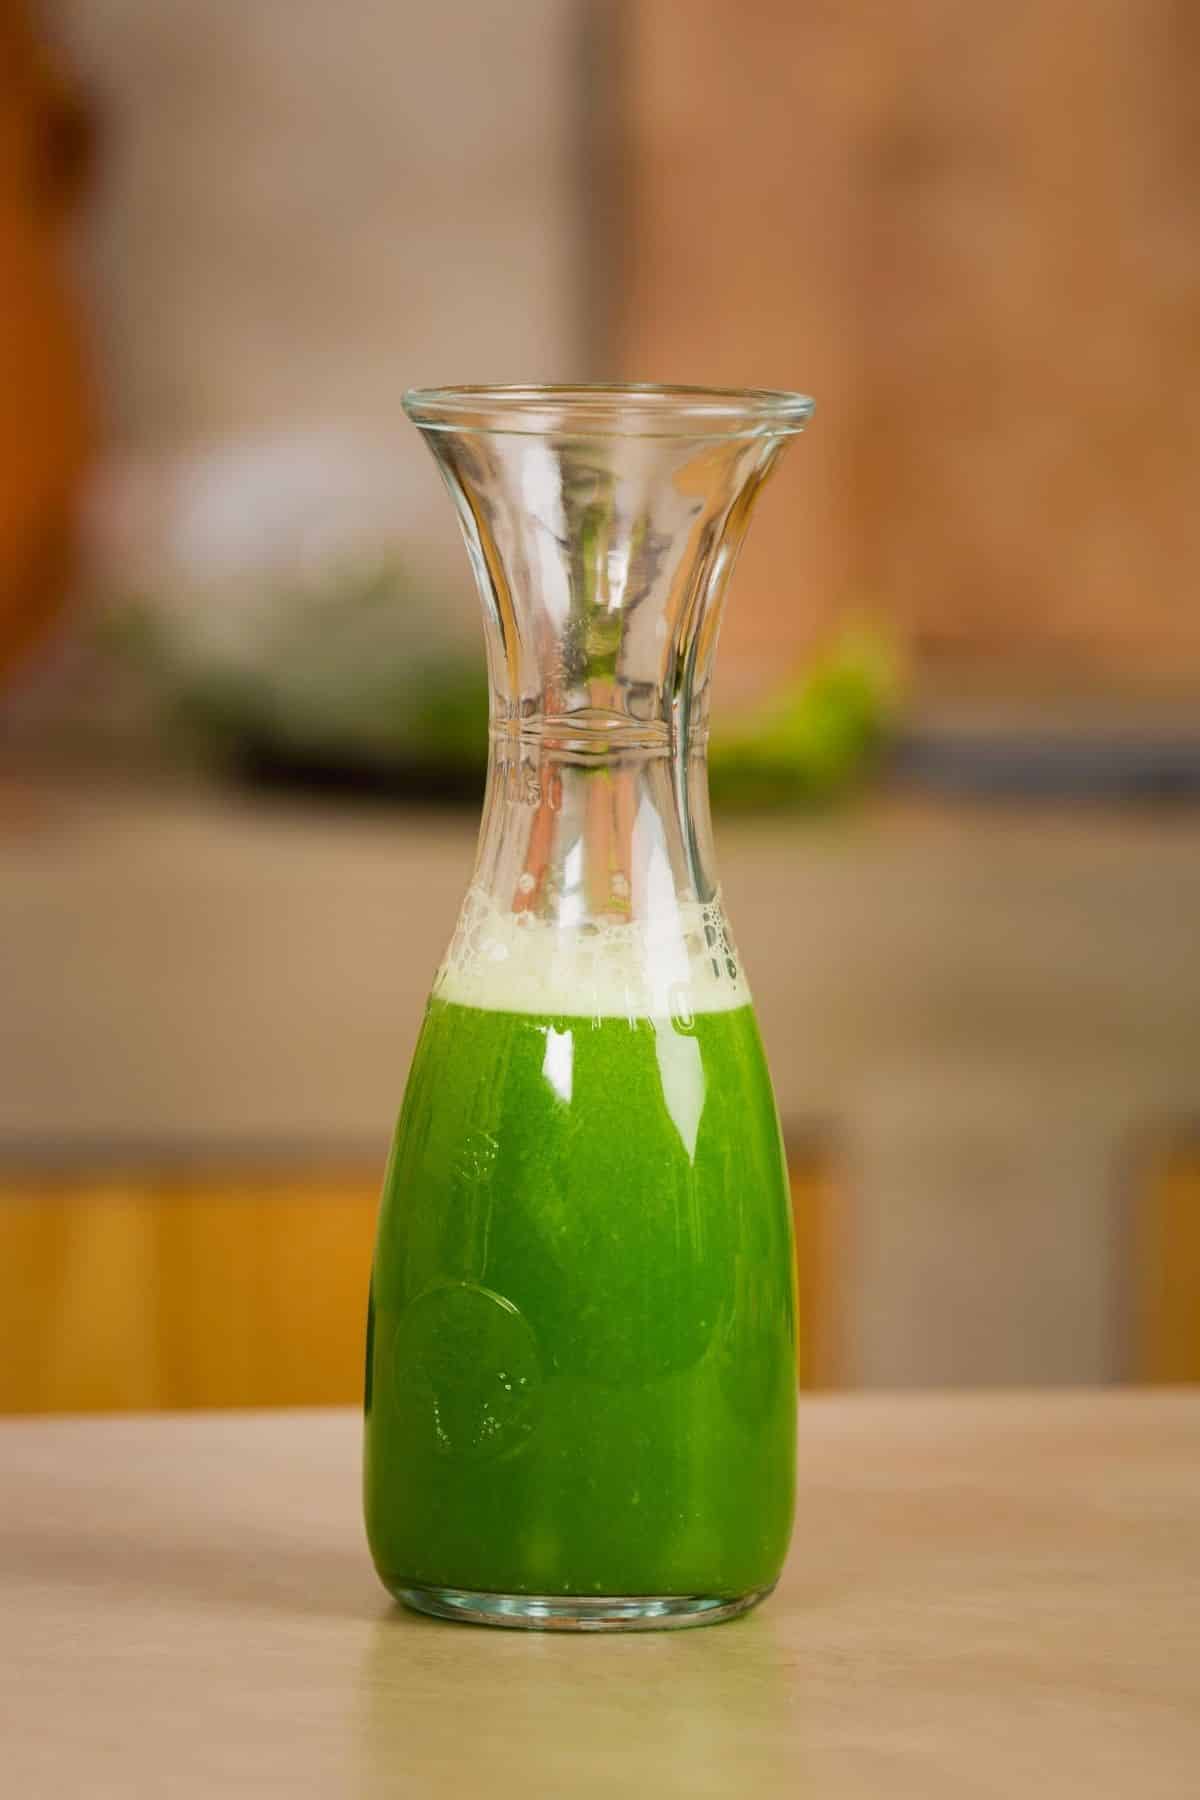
{"x": 578, "y": 1612}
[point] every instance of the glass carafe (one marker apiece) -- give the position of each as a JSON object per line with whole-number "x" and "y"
{"x": 580, "y": 1402}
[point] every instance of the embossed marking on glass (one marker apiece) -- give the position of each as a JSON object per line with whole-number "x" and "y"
{"x": 580, "y": 1404}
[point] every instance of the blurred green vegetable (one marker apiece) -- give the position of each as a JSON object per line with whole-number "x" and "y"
{"x": 818, "y": 737}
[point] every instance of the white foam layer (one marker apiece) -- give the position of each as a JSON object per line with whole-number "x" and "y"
{"x": 672, "y": 967}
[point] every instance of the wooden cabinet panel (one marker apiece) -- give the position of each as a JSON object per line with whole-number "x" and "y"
{"x": 972, "y": 235}
{"x": 144, "y": 1292}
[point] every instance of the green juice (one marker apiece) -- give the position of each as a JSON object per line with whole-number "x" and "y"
{"x": 581, "y": 1347}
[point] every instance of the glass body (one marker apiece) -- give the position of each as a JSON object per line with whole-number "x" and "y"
{"x": 580, "y": 1403}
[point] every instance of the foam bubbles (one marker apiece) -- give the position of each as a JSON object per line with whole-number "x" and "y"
{"x": 678, "y": 964}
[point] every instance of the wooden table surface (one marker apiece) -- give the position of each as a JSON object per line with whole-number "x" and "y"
{"x": 988, "y": 1595}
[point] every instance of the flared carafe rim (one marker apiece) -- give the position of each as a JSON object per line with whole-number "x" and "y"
{"x": 604, "y": 409}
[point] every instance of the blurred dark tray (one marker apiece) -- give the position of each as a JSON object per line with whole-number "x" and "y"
{"x": 1070, "y": 766}
{"x": 341, "y": 776}
{"x": 1086, "y": 767}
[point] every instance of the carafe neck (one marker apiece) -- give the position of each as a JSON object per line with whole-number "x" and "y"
{"x": 602, "y": 526}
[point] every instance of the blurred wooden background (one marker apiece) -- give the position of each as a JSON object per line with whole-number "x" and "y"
{"x": 972, "y": 232}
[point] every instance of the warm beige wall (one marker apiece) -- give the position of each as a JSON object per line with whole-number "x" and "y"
{"x": 305, "y": 207}
{"x": 972, "y": 231}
